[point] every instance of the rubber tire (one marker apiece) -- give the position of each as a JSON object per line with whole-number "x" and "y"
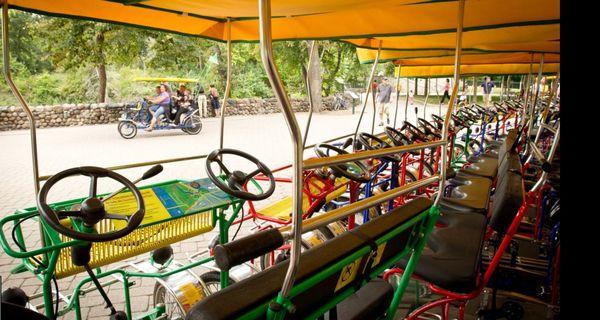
{"x": 127, "y": 123}
{"x": 157, "y": 287}
{"x": 213, "y": 277}
{"x": 188, "y": 122}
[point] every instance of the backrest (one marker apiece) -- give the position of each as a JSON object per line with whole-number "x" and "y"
{"x": 509, "y": 194}
{"x": 329, "y": 271}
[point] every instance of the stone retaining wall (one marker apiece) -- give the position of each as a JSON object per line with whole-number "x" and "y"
{"x": 65, "y": 115}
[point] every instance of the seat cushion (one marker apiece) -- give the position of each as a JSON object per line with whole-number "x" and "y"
{"x": 482, "y": 166}
{"x": 370, "y": 302}
{"x": 451, "y": 258}
{"x": 472, "y": 193}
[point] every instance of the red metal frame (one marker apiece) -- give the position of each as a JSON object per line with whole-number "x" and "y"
{"x": 460, "y": 298}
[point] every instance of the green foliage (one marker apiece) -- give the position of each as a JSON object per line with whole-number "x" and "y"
{"x": 57, "y": 60}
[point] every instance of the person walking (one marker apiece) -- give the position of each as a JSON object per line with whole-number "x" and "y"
{"x": 213, "y": 94}
{"x": 202, "y": 101}
{"x": 446, "y": 91}
{"x": 385, "y": 94}
{"x": 487, "y": 86}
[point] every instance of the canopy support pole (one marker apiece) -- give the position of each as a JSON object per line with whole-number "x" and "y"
{"x": 501, "y": 88}
{"x": 15, "y": 91}
{"x": 507, "y": 89}
{"x": 309, "y": 93}
{"x": 20, "y": 99}
{"x": 527, "y": 91}
{"x": 266, "y": 52}
{"x": 437, "y": 94}
{"x": 537, "y": 92}
{"x": 406, "y": 103}
{"x": 227, "y": 86}
{"x": 374, "y": 102}
{"x": 474, "y": 89}
{"x": 397, "y": 93}
{"x": 545, "y": 111}
{"x": 427, "y": 85}
{"x": 444, "y": 160}
{"x": 369, "y": 83}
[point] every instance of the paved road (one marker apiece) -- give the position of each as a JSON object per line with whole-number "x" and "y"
{"x": 264, "y": 136}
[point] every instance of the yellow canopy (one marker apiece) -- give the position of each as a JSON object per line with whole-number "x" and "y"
{"x": 531, "y": 38}
{"x": 476, "y": 69}
{"x": 447, "y": 58}
{"x": 154, "y": 79}
{"x": 303, "y": 19}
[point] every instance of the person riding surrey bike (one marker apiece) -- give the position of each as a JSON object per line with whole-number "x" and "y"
{"x": 161, "y": 105}
{"x": 183, "y": 105}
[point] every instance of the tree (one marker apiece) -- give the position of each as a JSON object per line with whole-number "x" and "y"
{"x": 74, "y": 44}
{"x": 313, "y": 76}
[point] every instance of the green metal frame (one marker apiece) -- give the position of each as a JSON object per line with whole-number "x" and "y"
{"x": 422, "y": 225}
{"x": 54, "y": 245}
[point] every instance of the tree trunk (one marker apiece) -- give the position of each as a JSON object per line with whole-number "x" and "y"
{"x": 101, "y": 70}
{"x": 315, "y": 78}
{"x": 101, "y": 67}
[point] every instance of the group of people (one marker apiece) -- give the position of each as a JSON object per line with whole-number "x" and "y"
{"x": 382, "y": 94}
{"x": 175, "y": 106}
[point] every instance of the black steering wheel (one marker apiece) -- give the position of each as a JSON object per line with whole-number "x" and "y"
{"x": 355, "y": 171}
{"x": 397, "y": 137}
{"x": 438, "y": 120}
{"x": 92, "y": 209}
{"x": 459, "y": 122}
{"x": 372, "y": 142}
{"x": 429, "y": 128}
{"x": 467, "y": 115}
{"x": 415, "y": 132}
{"x": 237, "y": 179}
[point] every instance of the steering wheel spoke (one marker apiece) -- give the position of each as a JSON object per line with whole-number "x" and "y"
{"x": 219, "y": 161}
{"x": 69, "y": 214}
{"x": 93, "y": 186}
{"x": 113, "y": 216}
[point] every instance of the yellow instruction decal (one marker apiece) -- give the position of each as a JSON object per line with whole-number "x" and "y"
{"x": 191, "y": 294}
{"x": 378, "y": 254}
{"x": 348, "y": 274}
{"x": 125, "y": 204}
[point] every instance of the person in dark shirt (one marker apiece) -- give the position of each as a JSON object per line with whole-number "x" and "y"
{"x": 487, "y": 86}
{"x": 385, "y": 94}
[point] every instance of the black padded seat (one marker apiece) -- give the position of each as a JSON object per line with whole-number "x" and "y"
{"x": 492, "y": 149}
{"x": 509, "y": 195}
{"x": 482, "y": 166}
{"x": 451, "y": 258}
{"x": 257, "y": 290}
{"x": 369, "y": 302}
{"x": 472, "y": 194}
{"x": 500, "y": 153}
